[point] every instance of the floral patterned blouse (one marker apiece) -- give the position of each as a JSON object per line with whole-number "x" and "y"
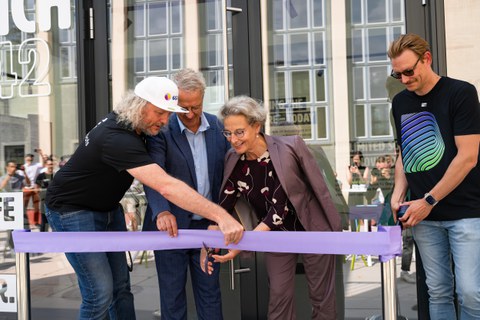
{"x": 257, "y": 182}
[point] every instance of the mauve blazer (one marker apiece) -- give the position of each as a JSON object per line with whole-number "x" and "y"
{"x": 301, "y": 179}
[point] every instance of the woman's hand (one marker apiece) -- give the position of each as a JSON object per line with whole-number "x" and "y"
{"x": 226, "y": 257}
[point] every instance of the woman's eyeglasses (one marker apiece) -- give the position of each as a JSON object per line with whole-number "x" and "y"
{"x": 408, "y": 73}
{"x": 239, "y": 133}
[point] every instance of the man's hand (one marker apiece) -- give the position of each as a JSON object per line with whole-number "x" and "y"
{"x": 232, "y": 230}
{"x": 131, "y": 219}
{"x": 167, "y": 222}
{"x": 417, "y": 211}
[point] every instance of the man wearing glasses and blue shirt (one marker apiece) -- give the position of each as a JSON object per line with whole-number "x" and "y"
{"x": 192, "y": 149}
{"x": 437, "y": 122}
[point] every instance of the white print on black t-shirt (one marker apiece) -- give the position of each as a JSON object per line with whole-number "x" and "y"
{"x": 87, "y": 139}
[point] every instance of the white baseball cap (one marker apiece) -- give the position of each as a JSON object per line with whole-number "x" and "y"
{"x": 161, "y": 92}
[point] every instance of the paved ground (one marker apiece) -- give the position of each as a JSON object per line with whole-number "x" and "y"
{"x": 55, "y": 295}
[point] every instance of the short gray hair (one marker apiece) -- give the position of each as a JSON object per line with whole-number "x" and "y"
{"x": 130, "y": 110}
{"x": 244, "y": 106}
{"x": 189, "y": 80}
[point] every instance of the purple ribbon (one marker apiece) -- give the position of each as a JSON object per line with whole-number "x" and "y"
{"x": 385, "y": 243}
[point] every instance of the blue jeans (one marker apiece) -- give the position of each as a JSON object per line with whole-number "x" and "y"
{"x": 103, "y": 277}
{"x": 443, "y": 245}
{"x": 172, "y": 266}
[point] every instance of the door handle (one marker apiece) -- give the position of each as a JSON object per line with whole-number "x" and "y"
{"x": 243, "y": 270}
{"x": 234, "y": 10}
{"x": 233, "y": 272}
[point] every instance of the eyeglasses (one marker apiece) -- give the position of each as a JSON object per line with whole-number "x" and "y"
{"x": 408, "y": 73}
{"x": 239, "y": 133}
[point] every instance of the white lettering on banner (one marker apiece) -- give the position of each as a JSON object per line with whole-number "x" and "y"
{"x": 43, "y": 15}
{"x": 11, "y": 211}
{"x": 8, "y": 293}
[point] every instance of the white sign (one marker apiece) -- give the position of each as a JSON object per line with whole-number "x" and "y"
{"x": 11, "y": 211}
{"x": 8, "y": 293}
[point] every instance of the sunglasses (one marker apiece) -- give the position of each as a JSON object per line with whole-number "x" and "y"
{"x": 408, "y": 73}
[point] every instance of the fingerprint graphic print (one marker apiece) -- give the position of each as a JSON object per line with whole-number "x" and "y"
{"x": 422, "y": 143}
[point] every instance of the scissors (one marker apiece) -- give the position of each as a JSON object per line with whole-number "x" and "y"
{"x": 210, "y": 252}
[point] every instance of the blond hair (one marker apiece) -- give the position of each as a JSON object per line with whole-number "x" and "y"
{"x": 409, "y": 41}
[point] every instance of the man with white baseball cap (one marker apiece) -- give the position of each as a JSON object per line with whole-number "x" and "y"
{"x": 85, "y": 193}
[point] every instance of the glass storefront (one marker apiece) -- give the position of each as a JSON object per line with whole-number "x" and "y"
{"x": 323, "y": 69}
{"x": 38, "y": 80}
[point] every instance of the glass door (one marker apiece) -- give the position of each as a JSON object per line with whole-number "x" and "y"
{"x": 158, "y": 38}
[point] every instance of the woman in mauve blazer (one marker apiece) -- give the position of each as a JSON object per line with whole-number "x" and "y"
{"x": 273, "y": 183}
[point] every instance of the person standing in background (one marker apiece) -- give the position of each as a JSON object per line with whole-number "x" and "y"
{"x": 32, "y": 170}
{"x": 41, "y": 184}
{"x": 357, "y": 175}
{"x": 437, "y": 121}
{"x": 192, "y": 148}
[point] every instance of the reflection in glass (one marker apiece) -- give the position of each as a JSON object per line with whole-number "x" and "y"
{"x": 397, "y": 11}
{"x": 139, "y": 20}
{"x": 357, "y": 46}
{"x": 360, "y": 120}
{"x": 157, "y": 18}
{"x": 380, "y": 112}
{"x": 319, "y": 49}
{"x": 297, "y": 11}
{"x": 378, "y": 75}
{"x": 157, "y": 54}
{"x": 279, "y": 86}
{"x": 176, "y": 14}
{"x": 358, "y": 86}
{"x": 299, "y": 49}
{"x": 301, "y": 85}
{"x": 377, "y": 44}
{"x": 322, "y": 123}
{"x": 277, "y": 15}
{"x": 376, "y": 11}
{"x": 139, "y": 57}
{"x": 318, "y": 20}
{"x": 356, "y": 11}
{"x": 176, "y": 55}
{"x": 320, "y": 83}
{"x": 278, "y": 50}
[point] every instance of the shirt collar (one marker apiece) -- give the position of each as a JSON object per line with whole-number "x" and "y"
{"x": 204, "y": 125}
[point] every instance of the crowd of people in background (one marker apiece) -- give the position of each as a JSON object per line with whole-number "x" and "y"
{"x": 32, "y": 178}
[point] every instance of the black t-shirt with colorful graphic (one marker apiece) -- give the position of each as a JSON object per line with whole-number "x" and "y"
{"x": 95, "y": 178}
{"x": 426, "y": 127}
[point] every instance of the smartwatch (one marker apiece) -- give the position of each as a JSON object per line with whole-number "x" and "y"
{"x": 430, "y": 199}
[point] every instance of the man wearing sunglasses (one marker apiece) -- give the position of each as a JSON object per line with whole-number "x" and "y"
{"x": 437, "y": 121}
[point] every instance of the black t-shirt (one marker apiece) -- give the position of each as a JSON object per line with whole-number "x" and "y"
{"x": 43, "y": 180}
{"x": 426, "y": 127}
{"x": 95, "y": 178}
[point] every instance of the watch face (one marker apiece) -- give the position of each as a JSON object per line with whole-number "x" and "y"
{"x": 431, "y": 200}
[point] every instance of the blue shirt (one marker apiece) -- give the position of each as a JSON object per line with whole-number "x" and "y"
{"x": 199, "y": 151}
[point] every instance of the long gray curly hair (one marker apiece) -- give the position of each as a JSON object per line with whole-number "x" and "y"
{"x": 130, "y": 110}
